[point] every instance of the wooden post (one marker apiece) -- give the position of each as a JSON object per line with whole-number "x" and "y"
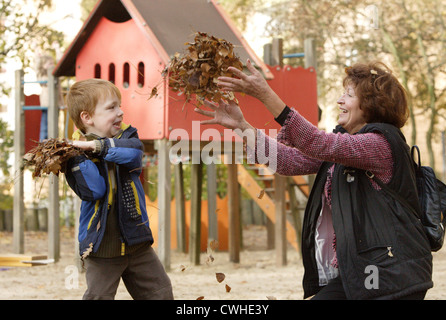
{"x": 180, "y": 208}
{"x": 270, "y": 234}
{"x": 310, "y": 53}
{"x": 234, "y": 213}
{"x": 19, "y": 150}
{"x": 311, "y": 61}
{"x": 267, "y": 53}
{"x": 195, "y": 213}
{"x": 273, "y": 52}
{"x": 53, "y": 209}
{"x": 280, "y": 226}
{"x": 164, "y": 193}
{"x": 295, "y": 210}
{"x": 212, "y": 201}
{"x": 277, "y": 52}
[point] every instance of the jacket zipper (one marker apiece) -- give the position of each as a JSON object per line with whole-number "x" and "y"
{"x": 389, "y": 253}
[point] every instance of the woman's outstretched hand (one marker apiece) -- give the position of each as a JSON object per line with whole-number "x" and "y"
{"x": 227, "y": 114}
{"x": 253, "y": 84}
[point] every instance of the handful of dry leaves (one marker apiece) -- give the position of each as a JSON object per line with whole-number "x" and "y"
{"x": 50, "y": 156}
{"x": 197, "y": 70}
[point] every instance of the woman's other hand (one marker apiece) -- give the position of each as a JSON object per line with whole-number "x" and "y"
{"x": 227, "y": 114}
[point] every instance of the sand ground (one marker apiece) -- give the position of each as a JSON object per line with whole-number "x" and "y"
{"x": 255, "y": 277}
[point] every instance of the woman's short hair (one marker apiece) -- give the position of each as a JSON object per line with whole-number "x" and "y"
{"x": 381, "y": 96}
{"x": 84, "y": 95}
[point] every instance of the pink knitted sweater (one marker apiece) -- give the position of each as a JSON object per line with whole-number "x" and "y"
{"x": 302, "y": 147}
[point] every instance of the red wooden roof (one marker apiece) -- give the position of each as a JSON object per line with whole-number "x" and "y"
{"x": 168, "y": 24}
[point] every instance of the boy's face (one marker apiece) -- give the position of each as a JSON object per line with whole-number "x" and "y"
{"x": 107, "y": 118}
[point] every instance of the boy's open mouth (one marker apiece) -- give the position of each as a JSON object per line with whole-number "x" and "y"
{"x": 117, "y": 124}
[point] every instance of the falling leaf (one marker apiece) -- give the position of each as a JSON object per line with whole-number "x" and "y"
{"x": 154, "y": 92}
{"x": 262, "y": 192}
{"x": 87, "y": 251}
{"x": 213, "y": 245}
{"x": 182, "y": 268}
{"x": 200, "y": 298}
{"x": 228, "y": 288}
{"x": 220, "y": 277}
{"x": 209, "y": 259}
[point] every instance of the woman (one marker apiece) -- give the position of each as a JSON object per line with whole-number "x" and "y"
{"x": 357, "y": 241}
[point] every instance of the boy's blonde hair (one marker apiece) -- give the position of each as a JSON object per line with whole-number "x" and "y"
{"x": 84, "y": 95}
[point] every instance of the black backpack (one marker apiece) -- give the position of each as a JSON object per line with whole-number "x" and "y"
{"x": 432, "y": 198}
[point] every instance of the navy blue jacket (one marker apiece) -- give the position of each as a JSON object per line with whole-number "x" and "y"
{"x": 89, "y": 179}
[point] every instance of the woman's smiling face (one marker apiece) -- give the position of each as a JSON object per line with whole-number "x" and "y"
{"x": 351, "y": 117}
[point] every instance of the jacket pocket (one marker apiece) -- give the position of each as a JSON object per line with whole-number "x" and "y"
{"x": 378, "y": 254}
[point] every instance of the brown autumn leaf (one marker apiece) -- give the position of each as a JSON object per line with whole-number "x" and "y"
{"x": 228, "y": 288}
{"x": 262, "y": 192}
{"x": 209, "y": 259}
{"x": 200, "y": 298}
{"x": 154, "y": 92}
{"x": 195, "y": 72}
{"x": 213, "y": 244}
{"x": 220, "y": 276}
{"x": 50, "y": 156}
{"x": 87, "y": 251}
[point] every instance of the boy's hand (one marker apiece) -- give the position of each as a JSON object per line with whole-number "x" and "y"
{"x": 84, "y": 145}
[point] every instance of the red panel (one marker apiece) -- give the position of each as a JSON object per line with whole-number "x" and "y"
{"x": 32, "y": 122}
{"x": 296, "y": 86}
{"x": 298, "y": 89}
{"x": 121, "y": 43}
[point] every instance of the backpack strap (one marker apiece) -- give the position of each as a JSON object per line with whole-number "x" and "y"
{"x": 392, "y": 192}
{"x": 412, "y": 150}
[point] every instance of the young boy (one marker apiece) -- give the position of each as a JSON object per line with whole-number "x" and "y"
{"x": 114, "y": 234}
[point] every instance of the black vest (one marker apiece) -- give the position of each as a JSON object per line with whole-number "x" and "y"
{"x": 374, "y": 233}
